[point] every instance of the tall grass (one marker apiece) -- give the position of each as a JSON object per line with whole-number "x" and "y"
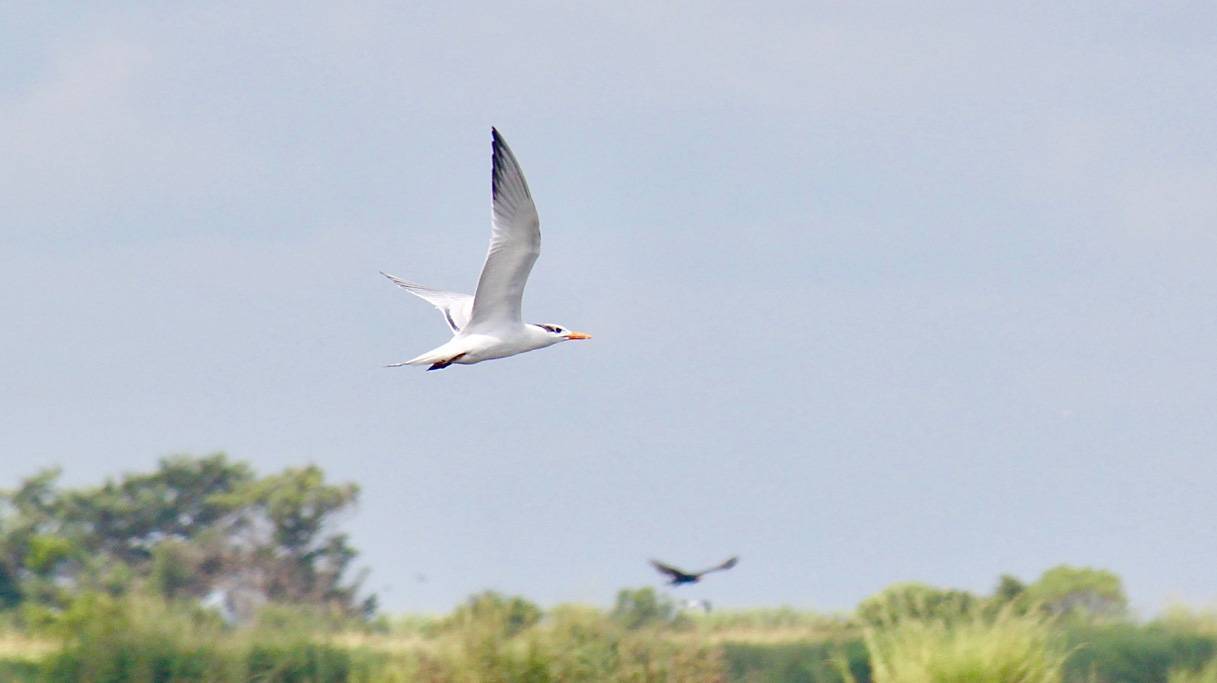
{"x": 1129, "y": 653}
{"x": 102, "y": 639}
{"x": 768, "y": 626}
{"x": 572, "y": 643}
{"x": 143, "y": 640}
{"x": 1006, "y": 647}
{"x": 137, "y": 639}
{"x": 1205, "y": 674}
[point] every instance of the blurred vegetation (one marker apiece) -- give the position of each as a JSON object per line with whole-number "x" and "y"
{"x": 917, "y": 602}
{"x": 195, "y": 528}
{"x": 643, "y": 607}
{"x": 1203, "y": 674}
{"x": 1009, "y": 645}
{"x": 203, "y": 571}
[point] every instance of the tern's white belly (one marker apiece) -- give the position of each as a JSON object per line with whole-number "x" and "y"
{"x": 488, "y": 347}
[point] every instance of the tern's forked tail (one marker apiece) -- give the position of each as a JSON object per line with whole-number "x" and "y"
{"x": 438, "y": 358}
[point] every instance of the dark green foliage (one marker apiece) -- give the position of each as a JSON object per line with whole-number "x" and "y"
{"x": 1010, "y": 595}
{"x": 19, "y": 671}
{"x": 641, "y": 607}
{"x": 499, "y": 638}
{"x": 1009, "y": 589}
{"x": 191, "y": 527}
{"x": 810, "y": 662}
{"x": 1079, "y": 593}
{"x": 917, "y": 601}
{"x": 146, "y": 639}
{"x": 498, "y": 614}
{"x": 149, "y": 658}
{"x": 152, "y": 660}
{"x": 1128, "y": 653}
{"x": 175, "y": 567}
{"x": 126, "y": 518}
{"x": 132, "y": 639}
{"x": 10, "y": 587}
{"x": 44, "y": 553}
{"x": 304, "y": 662}
{"x": 293, "y": 557}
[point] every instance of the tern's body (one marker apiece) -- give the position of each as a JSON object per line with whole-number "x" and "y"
{"x": 488, "y": 324}
{"x": 467, "y": 348}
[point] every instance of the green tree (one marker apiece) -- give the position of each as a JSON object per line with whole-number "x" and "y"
{"x": 1080, "y": 592}
{"x": 501, "y": 615}
{"x": 191, "y": 527}
{"x": 125, "y": 519}
{"x": 639, "y": 607}
{"x": 1009, "y": 589}
{"x": 35, "y": 558}
{"x": 286, "y": 545}
{"x": 916, "y": 601}
{"x": 1010, "y": 594}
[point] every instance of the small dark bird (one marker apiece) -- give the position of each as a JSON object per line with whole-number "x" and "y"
{"x": 682, "y": 577}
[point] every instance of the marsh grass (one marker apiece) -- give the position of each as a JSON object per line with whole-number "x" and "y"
{"x": 143, "y": 640}
{"x": 1129, "y": 652}
{"x": 1006, "y": 647}
{"x": 573, "y": 643}
{"x": 767, "y": 627}
{"x": 1205, "y": 674}
{"x": 22, "y": 647}
{"x": 1182, "y": 619}
{"x": 140, "y": 640}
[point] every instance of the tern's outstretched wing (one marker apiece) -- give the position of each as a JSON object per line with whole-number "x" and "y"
{"x": 515, "y": 242}
{"x": 455, "y": 307}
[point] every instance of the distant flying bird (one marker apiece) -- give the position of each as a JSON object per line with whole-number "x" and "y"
{"x": 679, "y": 577}
{"x": 488, "y": 325}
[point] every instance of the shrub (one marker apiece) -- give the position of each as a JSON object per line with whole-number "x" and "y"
{"x": 133, "y": 639}
{"x": 1006, "y": 648}
{"x": 491, "y": 610}
{"x": 797, "y": 662}
{"x": 1080, "y": 593}
{"x": 1134, "y": 654}
{"x": 641, "y": 607}
{"x": 1205, "y": 674}
{"x": 913, "y": 600}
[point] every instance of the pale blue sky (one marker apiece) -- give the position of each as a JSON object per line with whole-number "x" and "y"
{"x": 878, "y": 293}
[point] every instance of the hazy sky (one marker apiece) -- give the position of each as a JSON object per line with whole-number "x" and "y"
{"x": 878, "y": 293}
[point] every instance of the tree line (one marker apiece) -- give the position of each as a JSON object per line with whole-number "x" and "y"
{"x": 209, "y": 529}
{"x": 198, "y": 528}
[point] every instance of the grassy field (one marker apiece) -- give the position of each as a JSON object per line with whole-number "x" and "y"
{"x": 491, "y": 638}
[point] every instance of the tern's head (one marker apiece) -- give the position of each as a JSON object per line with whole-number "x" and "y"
{"x": 558, "y": 333}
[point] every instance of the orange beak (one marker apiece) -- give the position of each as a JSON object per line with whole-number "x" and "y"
{"x": 578, "y": 335}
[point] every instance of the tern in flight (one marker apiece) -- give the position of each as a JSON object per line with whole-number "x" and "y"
{"x": 488, "y": 325}
{"x": 682, "y": 577}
